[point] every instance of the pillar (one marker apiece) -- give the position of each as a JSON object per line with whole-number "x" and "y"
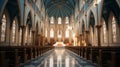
{"x": 23, "y": 36}
{"x": 99, "y": 34}
{"x": 33, "y": 38}
{"x": 10, "y": 36}
{"x": 43, "y": 42}
{"x": 0, "y": 30}
{"x": 86, "y": 38}
{"x": 80, "y": 39}
{"x": 38, "y": 37}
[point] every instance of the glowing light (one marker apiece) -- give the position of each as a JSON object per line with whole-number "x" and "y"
{"x": 67, "y": 63}
{"x": 59, "y": 61}
{"x": 67, "y": 20}
{"x": 83, "y": 42}
{"x": 73, "y": 35}
{"x": 97, "y": 2}
{"x": 51, "y": 61}
{"x": 3, "y": 28}
{"x": 69, "y": 28}
{"x": 67, "y": 33}
{"x": 73, "y": 62}
{"x": 59, "y": 20}
{"x": 59, "y": 44}
{"x": 51, "y": 33}
{"x": 52, "y": 20}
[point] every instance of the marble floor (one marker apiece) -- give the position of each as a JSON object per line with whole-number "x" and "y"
{"x": 59, "y": 57}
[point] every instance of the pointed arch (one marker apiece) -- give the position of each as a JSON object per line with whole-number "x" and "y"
{"x": 5, "y": 26}
{"x": 104, "y": 31}
{"x": 14, "y": 32}
{"x": 83, "y": 26}
{"x": 91, "y": 20}
{"x": 51, "y": 33}
{"x": 113, "y": 27}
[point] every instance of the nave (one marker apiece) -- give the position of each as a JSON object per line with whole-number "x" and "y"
{"x": 89, "y": 29}
{"x": 59, "y": 57}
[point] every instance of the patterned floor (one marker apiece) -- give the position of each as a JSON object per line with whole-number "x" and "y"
{"x": 59, "y": 57}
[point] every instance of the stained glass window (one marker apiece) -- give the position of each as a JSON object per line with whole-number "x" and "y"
{"x": 67, "y": 20}
{"x": 30, "y": 36}
{"x": 104, "y": 32}
{"x": 59, "y": 33}
{"x": 91, "y": 33}
{"x": 52, "y": 33}
{"x": 13, "y": 31}
{"x": 26, "y": 34}
{"x": 67, "y": 33}
{"x": 59, "y": 20}
{"x": 3, "y": 28}
{"x": 114, "y": 29}
{"x": 52, "y": 20}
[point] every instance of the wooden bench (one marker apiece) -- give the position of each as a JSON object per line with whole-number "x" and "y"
{"x": 103, "y": 56}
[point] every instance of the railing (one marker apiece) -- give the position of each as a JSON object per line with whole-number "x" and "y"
{"x": 13, "y": 56}
{"x": 102, "y": 56}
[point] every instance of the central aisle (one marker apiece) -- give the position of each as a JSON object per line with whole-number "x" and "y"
{"x": 59, "y": 57}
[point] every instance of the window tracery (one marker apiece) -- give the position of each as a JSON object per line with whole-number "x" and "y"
{"x": 3, "y": 28}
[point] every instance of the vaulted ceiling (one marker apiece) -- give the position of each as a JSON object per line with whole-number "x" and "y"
{"x": 59, "y": 8}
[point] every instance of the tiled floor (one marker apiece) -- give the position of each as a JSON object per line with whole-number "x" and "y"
{"x": 59, "y": 57}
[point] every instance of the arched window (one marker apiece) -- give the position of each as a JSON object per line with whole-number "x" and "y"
{"x": 51, "y": 33}
{"x": 52, "y": 20}
{"x": 30, "y": 37}
{"x": 67, "y": 20}
{"x": 59, "y": 20}
{"x": 91, "y": 34}
{"x": 13, "y": 31}
{"x": 114, "y": 32}
{"x": 67, "y": 33}
{"x": 59, "y": 33}
{"x": 104, "y": 32}
{"x": 3, "y": 28}
{"x": 26, "y": 34}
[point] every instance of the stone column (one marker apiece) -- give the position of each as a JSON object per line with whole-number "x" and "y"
{"x": 99, "y": 34}
{"x": 43, "y": 42}
{"x": 23, "y": 36}
{"x": 86, "y": 38}
{"x": 10, "y": 36}
{"x": 38, "y": 39}
{"x": 80, "y": 39}
{"x": 0, "y": 30}
{"x": 33, "y": 37}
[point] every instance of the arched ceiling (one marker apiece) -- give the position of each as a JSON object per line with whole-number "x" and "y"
{"x": 59, "y": 8}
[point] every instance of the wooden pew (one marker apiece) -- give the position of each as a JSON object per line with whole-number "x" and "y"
{"x": 9, "y": 57}
{"x": 103, "y": 56}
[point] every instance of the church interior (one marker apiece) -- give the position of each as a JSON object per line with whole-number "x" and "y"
{"x": 59, "y": 33}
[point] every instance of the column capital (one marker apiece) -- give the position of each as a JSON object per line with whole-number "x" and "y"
{"x": 33, "y": 31}
{"x": 98, "y": 26}
{"x": 23, "y": 26}
{"x": 80, "y": 34}
{"x": 38, "y": 34}
{"x": 87, "y": 31}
